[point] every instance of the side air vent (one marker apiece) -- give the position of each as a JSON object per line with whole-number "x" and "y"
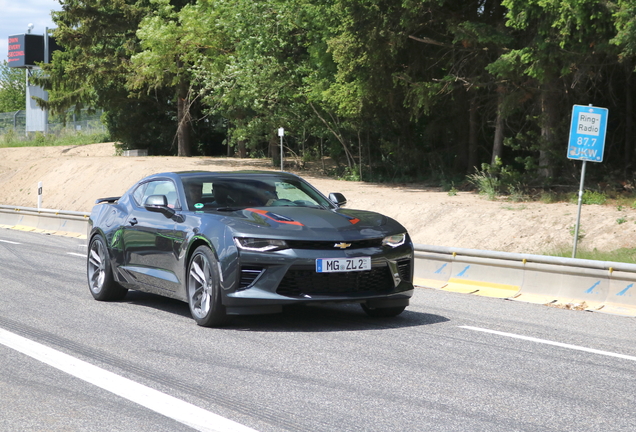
{"x": 404, "y": 268}
{"x": 249, "y": 274}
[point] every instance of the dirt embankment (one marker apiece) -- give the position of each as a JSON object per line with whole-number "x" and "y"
{"x": 73, "y": 177}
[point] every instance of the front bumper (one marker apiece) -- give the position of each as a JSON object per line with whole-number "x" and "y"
{"x": 265, "y": 282}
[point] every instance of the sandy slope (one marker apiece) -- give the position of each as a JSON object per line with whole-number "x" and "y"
{"x": 73, "y": 177}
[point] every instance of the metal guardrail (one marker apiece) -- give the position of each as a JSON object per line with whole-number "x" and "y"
{"x": 62, "y": 222}
{"x": 524, "y": 258}
{"x": 601, "y": 286}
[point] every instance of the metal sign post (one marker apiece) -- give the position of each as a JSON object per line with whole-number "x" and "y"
{"x": 281, "y": 133}
{"x": 587, "y": 143}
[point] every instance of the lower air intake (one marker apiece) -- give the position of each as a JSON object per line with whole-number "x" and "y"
{"x": 300, "y": 282}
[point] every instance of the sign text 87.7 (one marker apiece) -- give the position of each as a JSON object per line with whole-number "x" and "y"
{"x": 587, "y": 142}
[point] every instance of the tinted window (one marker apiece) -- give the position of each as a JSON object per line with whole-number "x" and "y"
{"x": 138, "y": 194}
{"x": 208, "y": 192}
{"x": 159, "y": 187}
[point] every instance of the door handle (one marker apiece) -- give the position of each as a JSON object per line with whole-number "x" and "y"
{"x": 133, "y": 221}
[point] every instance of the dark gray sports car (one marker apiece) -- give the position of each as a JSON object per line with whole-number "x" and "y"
{"x": 232, "y": 243}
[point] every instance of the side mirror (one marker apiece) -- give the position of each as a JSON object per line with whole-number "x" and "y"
{"x": 338, "y": 199}
{"x": 159, "y": 204}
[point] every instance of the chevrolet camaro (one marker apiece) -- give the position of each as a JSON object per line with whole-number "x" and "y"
{"x": 249, "y": 242}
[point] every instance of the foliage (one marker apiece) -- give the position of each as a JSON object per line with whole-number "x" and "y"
{"x": 12, "y": 88}
{"x": 486, "y": 183}
{"x": 581, "y": 233}
{"x": 389, "y": 89}
{"x": 590, "y": 197}
{"x": 65, "y": 139}
{"x": 624, "y": 255}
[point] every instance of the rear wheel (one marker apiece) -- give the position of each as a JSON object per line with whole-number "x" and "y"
{"x": 386, "y": 312}
{"x": 204, "y": 289}
{"x": 99, "y": 273}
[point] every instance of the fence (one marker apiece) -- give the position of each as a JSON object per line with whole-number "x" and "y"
{"x": 13, "y": 124}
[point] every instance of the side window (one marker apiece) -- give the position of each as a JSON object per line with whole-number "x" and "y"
{"x": 138, "y": 194}
{"x": 161, "y": 187}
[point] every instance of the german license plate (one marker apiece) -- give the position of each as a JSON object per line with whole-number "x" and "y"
{"x": 331, "y": 265}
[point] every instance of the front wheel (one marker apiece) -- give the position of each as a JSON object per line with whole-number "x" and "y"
{"x": 204, "y": 289}
{"x": 386, "y": 312}
{"x": 98, "y": 271}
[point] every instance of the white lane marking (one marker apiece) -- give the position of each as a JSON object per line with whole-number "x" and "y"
{"x": 76, "y": 254}
{"x": 154, "y": 400}
{"x": 10, "y": 242}
{"x": 548, "y": 342}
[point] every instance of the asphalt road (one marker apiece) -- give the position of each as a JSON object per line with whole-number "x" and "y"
{"x": 451, "y": 362}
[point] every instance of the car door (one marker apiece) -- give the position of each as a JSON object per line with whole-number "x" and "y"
{"x": 149, "y": 240}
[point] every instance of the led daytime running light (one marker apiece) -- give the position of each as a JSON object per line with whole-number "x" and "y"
{"x": 394, "y": 240}
{"x": 260, "y": 245}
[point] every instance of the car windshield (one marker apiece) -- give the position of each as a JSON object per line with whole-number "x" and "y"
{"x": 208, "y": 192}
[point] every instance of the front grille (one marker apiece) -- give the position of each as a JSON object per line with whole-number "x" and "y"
{"x": 404, "y": 268}
{"x": 249, "y": 275}
{"x": 307, "y": 282}
{"x": 330, "y": 245}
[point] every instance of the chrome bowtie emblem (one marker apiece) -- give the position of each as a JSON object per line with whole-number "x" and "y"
{"x": 342, "y": 245}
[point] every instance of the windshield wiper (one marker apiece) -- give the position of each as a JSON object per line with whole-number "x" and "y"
{"x": 227, "y": 209}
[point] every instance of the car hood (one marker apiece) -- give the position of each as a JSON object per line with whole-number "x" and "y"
{"x": 312, "y": 223}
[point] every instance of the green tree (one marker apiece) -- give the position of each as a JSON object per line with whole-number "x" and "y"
{"x": 163, "y": 62}
{"x": 251, "y": 60}
{"x": 12, "y": 88}
{"x": 98, "y": 38}
{"x": 557, "y": 43}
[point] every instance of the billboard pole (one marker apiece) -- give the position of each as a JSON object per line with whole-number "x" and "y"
{"x": 46, "y": 60}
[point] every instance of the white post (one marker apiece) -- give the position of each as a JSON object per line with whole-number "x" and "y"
{"x": 39, "y": 195}
{"x": 281, "y": 133}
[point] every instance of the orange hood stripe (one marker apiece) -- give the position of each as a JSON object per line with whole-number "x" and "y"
{"x": 268, "y": 215}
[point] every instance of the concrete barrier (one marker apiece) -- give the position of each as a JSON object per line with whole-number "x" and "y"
{"x": 9, "y": 216}
{"x": 75, "y": 227}
{"x": 587, "y": 284}
{"x": 485, "y": 277}
{"x": 587, "y": 287}
{"x": 433, "y": 270}
{"x": 68, "y": 223}
{"x": 621, "y": 297}
{"x": 49, "y": 223}
{"x": 541, "y": 283}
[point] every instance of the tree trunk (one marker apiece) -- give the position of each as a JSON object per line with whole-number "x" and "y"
{"x": 183, "y": 120}
{"x": 242, "y": 150}
{"x": 549, "y": 118}
{"x": 497, "y": 146}
{"x": 473, "y": 127}
{"x": 274, "y": 149}
{"x": 460, "y": 161}
{"x": 629, "y": 106}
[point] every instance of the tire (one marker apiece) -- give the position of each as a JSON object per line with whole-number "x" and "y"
{"x": 99, "y": 273}
{"x": 204, "y": 289}
{"x": 387, "y": 312}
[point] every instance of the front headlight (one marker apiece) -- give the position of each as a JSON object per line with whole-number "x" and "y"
{"x": 260, "y": 245}
{"x": 394, "y": 240}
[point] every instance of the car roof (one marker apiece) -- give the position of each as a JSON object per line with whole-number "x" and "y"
{"x": 224, "y": 174}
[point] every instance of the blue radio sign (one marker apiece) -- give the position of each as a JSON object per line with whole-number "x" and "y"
{"x": 587, "y": 133}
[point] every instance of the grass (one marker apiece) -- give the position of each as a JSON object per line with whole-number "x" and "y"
{"x": 624, "y": 255}
{"x": 513, "y": 208}
{"x": 64, "y": 139}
